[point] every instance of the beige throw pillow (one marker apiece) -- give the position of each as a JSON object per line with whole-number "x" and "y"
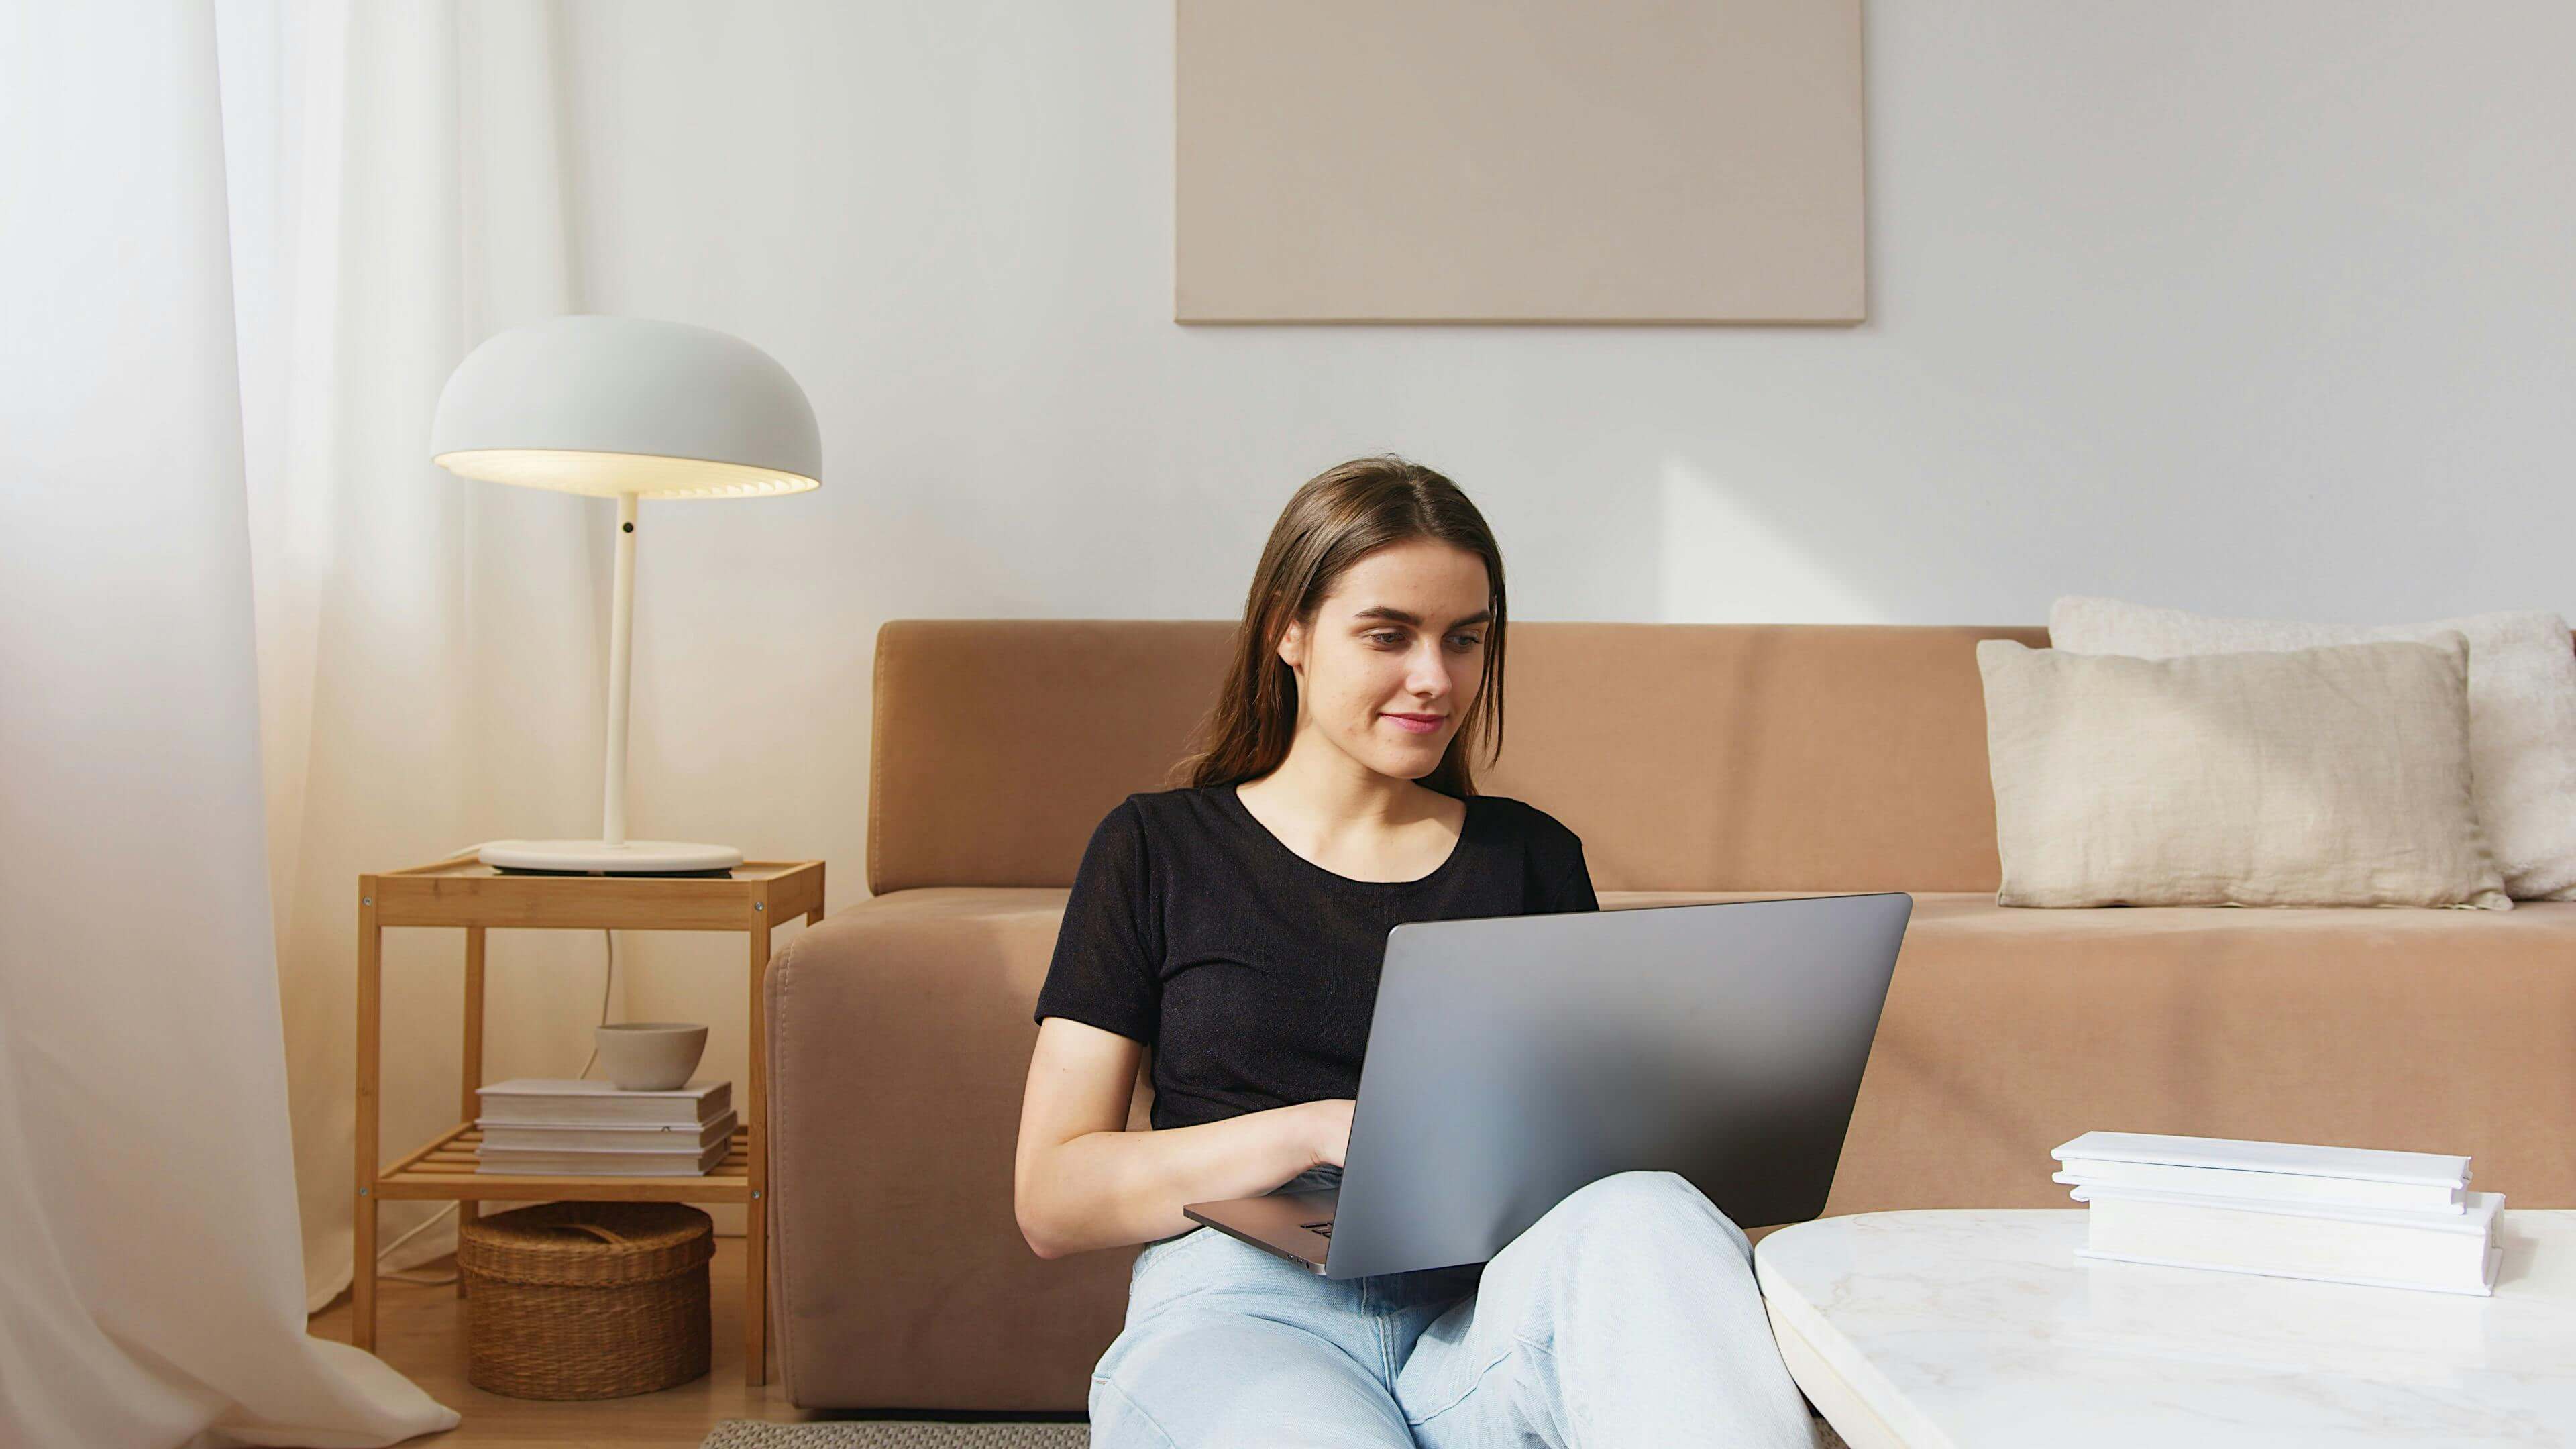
{"x": 2315, "y": 777}
{"x": 2522, "y": 710}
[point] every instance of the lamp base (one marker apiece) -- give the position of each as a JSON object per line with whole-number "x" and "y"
{"x": 598, "y": 857}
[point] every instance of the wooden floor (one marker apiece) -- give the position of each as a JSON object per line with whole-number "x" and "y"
{"x": 420, "y": 1330}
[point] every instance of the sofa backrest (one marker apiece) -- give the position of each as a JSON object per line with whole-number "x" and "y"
{"x": 1687, "y": 756}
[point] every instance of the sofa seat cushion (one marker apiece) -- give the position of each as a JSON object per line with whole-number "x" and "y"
{"x": 2008, "y": 1031}
{"x": 1976, "y": 911}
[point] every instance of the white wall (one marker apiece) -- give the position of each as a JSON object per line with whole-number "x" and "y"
{"x": 2265, "y": 307}
{"x": 2241, "y": 308}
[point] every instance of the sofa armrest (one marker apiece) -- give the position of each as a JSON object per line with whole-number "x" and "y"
{"x": 898, "y": 1050}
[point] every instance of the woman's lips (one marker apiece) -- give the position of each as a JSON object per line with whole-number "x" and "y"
{"x": 1416, "y": 725}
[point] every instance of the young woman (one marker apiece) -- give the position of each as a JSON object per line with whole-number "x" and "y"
{"x": 1235, "y": 928}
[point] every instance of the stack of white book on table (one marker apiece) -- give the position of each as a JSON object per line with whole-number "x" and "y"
{"x": 2342, "y": 1214}
{"x": 567, "y": 1126}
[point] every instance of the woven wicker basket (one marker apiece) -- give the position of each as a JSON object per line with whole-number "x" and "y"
{"x": 586, "y": 1300}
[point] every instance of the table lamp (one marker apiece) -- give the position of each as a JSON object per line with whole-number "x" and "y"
{"x": 625, "y": 408}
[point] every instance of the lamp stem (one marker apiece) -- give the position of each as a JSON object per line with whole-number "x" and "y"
{"x": 621, "y": 649}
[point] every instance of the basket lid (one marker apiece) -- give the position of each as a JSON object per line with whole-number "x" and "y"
{"x": 586, "y": 1244}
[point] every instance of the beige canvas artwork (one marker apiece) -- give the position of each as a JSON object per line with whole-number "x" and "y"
{"x": 1590, "y": 161}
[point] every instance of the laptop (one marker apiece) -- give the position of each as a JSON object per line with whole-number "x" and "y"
{"x": 1513, "y": 1059}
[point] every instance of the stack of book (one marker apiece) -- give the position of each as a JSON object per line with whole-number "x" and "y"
{"x": 2341, "y": 1214}
{"x": 567, "y": 1126}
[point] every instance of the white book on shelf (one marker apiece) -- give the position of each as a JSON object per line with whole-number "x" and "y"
{"x": 566, "y": 1100}
{"x": 2380, "y": 1247}
{"x": 2367, "y": 1164}
{"x": 601, "y": 1164}
{"x": 2263, "y": 1186}
{"x": 612, "y": 1136}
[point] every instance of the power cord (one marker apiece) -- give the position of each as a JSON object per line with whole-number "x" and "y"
{"x": 607, "y": 980}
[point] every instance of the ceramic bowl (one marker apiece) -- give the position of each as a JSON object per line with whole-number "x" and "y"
{"x": 651, "y": 1056}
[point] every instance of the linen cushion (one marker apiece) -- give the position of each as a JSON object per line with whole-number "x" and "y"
{"x": 2331, "y": 776}
{"x": 2522, "y": 710}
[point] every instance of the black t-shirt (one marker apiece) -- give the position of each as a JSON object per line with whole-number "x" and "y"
{"x": 1251, "y": 970}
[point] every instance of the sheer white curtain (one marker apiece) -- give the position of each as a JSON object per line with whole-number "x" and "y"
{"x": 431, "y": 649}
{"x": 251, "y": 644}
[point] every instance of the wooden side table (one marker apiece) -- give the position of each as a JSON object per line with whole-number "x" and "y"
{"x": 465, "y": 893}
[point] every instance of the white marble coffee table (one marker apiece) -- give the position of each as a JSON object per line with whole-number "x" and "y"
{"x": 1979, "y": 1328}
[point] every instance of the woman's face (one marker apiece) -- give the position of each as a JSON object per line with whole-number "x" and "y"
{"x": 1401, "y": 634}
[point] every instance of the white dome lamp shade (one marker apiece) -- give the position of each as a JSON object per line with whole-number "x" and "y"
{"x": 625, "y": 408}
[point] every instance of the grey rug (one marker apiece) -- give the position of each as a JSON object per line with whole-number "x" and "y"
{"x": 898, "y": 1434}
{"x": 943, "y": 1434}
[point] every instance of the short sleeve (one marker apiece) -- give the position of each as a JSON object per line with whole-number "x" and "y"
{"x": 1107, "y": 969}
{"x": 1573, "y": 892}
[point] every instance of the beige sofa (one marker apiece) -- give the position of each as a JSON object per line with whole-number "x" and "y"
{"x": 1697, "y": 762}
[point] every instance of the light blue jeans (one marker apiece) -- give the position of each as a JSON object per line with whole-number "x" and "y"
{"x": 1626, "y": 1317}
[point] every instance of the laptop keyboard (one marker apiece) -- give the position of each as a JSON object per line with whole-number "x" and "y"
{"x": 1323, "y": 1229}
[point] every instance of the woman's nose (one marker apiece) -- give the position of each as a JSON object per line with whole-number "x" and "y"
{"x": 1430, "y": 672}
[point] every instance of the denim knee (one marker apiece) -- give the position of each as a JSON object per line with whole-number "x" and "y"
{"x": 1627, "y": 1202}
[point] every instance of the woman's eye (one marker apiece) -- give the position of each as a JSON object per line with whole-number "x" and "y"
{"x": 1388, "y": 639}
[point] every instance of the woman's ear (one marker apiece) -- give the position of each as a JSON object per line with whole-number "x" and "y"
{"x": 1292, "y": 646}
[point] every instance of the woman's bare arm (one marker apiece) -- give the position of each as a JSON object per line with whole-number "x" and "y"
{"x": 1081, "y": 1181}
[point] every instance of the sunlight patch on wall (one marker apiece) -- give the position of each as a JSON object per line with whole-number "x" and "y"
{"x": 1721, "y": 562}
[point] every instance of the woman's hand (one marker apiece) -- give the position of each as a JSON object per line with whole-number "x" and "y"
{"x": 1329, "y": 1129}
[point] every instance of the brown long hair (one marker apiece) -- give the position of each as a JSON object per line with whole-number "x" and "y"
{"x": 1335, "y": 519}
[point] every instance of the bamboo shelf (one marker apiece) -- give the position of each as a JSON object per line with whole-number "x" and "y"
{"x": 463, "y": 893}
{"x": 444, "y": 1168}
